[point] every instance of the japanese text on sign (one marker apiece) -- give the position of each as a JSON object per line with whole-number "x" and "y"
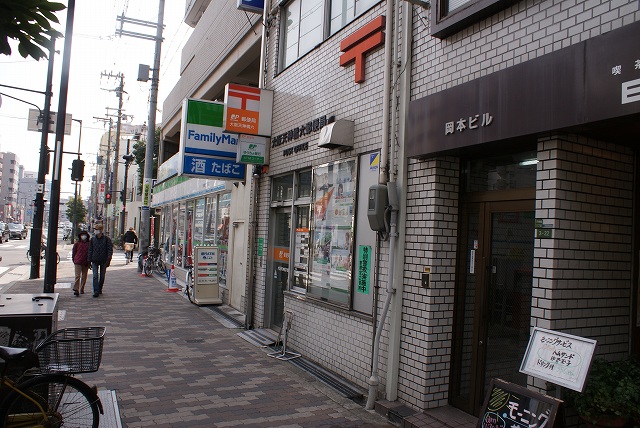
{"x": 462, "y": 124}
{"x": 364, "y": 268}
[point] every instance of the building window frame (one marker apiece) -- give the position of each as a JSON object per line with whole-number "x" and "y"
{"x": 449, "y": 20}
{"x": 328, "y": 23}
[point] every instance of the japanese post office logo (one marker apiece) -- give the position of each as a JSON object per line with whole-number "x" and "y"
{"x": 360, "y": 43}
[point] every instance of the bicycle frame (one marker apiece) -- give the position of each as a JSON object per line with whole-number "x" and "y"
{"x": 26, "y": 419}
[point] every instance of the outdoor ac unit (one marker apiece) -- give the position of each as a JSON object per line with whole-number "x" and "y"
{"x": 338, "y": 134}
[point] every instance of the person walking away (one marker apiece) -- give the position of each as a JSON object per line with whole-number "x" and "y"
{"x": 80, "y": 257}
{"x": 130, "y": 238}
{"x": 100, "y": 253}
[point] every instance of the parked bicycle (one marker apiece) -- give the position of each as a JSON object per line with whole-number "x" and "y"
{"x": 43, "y": 253}
{"x": 44, "y": 393}
{"x": 150, "y": 261}
{"x": 188, "y": 284}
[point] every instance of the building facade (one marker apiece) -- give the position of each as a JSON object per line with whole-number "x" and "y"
{"x": 441, "y": 180}
{"x": 9, "y": 188}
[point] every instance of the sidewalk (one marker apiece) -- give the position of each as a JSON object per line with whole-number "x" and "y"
{"x": 173, "y": 364}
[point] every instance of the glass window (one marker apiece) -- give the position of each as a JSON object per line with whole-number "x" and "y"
{"x": 198, "y": 223}
{"x": 304, "y": 184}
{"x": 515, "y": 171}
{"x": 224, "y": 207}
{"x": 304, "y": 25}
{"x": 172, "y": 235}
{"x": 188, "y": 250}
{"x": 301, "y": 249}
{"x": 180, "y": 235}
{"x": 333, "y": 200}
{"x": 210, "y": 222}
{"x": 455, "y": 4}
{"x": 345, "y": 11}
{"x": 282, "y": 188}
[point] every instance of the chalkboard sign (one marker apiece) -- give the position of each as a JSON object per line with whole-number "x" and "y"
{"x": 508, "y": 405}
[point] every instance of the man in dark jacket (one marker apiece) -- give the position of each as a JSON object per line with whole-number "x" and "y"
{"x": 100, "y": 253}
{"x": 130, "y": 237}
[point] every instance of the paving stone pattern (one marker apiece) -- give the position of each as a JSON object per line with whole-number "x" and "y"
{"x": 172, "y": 364}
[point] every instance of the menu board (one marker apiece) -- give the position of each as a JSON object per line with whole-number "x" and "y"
{"x": 558, "y": 357}
{"x": 508, "y": 405}
{"x": 206, "y": 289}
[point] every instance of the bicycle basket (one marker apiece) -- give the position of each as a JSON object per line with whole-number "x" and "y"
{"x": 71, "y": 350}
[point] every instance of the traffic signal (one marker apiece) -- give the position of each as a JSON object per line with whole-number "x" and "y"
{"x": 77, "y": 170}
{"x": 122, "y": 196}
{"x": 107, "y": 198}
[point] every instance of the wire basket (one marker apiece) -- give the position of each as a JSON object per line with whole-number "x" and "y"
{"x": 128, "y": 246}
{"x": 71, "y": 350}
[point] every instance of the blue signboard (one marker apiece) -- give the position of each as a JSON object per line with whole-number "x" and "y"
{"x": 207, "y": 166}
{"x": 254, "y": 6}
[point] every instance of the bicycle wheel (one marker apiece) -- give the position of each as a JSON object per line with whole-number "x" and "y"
{"x": 161, "y": 268}
{"x": 148, "y": 268}
{"x": 66, "y": 401}
{"x": 188, "y": 286}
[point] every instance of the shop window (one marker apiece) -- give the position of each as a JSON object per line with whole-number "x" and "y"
{"x": 333, "y": 201}
{"x": 180, "y": 235}
{"x": 304, "y": 25}
{"x": 188, "y": 249}
{"x": 210, "y": 222}
{"x": 282, "y": 188}
{"x": 304, "y": 184}
{"x": 198, "y": 223}
{"x": 452, "y": 16}
{"x": 222, "y": 235}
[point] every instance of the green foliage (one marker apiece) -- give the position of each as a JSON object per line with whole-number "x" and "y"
{"x": 28, "y": 22}
{"x": 79, "y": 208}
{"x": 139, "y": 153}
{"x": 612, "y": 389}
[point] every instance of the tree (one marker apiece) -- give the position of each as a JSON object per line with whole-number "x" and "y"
{"x": 79, "y": 209}
{"x": 29, "y": 22}
{"x": 139, "y": 154}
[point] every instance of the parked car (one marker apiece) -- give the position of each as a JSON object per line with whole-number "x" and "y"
{"x": 4, "y": 229}
{"x": 17, "y": 230}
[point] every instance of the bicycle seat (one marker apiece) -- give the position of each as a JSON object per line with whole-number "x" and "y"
{"x": 7, "y": 353}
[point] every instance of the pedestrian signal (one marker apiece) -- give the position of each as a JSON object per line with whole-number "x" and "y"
{"x": 107, "y": 198}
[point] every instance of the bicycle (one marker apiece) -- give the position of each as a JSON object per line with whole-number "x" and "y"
{"x": 188, "y": 284}
{"x": 45, "y": 394}
{"x": 152, "y": 261}
{"x": 43, "y": 254}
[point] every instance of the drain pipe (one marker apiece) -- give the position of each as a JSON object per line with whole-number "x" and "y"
{"x": 383, "y": 178}
{"x": 253, "y": 226}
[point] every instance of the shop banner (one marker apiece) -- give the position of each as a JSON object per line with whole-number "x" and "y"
{"x": 206, "y": 150}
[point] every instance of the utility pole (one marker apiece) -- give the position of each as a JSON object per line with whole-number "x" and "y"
{"x": 107, "y": 175}
{"x": 145, "y": 220}
{"x": 50, "y": 268}
{"x": 119, "y": 91}
{"x": 38, "y": 203}
{"x": 128, "y": 158}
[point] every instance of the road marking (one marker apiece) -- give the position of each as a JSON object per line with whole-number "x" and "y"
{"x": 3, "y": 270}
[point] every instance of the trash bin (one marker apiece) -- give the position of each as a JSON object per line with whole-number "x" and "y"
{"x": 26, "y": 319}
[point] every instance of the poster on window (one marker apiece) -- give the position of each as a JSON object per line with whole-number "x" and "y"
{"x": 333, "y": 202}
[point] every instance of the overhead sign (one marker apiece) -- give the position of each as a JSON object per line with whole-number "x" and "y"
{"x": 253, "y": 6}
{"x": 35, "y": 122}
{"x": 206, "y": 150}
{"x": 253, "y": 149}
{"x": 249, "y": 110}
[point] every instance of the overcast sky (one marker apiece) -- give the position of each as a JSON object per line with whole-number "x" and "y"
{"x": 95, "y": 50}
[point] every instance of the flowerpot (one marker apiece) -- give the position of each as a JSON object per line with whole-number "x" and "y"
{"x": 606, "y": 422}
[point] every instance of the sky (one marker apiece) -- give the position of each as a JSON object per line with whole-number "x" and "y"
{"x": 95, "y": 51}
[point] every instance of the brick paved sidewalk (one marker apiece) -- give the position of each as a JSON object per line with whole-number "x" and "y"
{"x": 172, "y": 364}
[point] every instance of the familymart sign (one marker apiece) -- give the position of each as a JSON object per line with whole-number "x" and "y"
{"x": 206, "y": 149}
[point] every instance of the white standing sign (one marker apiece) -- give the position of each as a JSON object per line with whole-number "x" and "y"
{"x": 558, "y": 357}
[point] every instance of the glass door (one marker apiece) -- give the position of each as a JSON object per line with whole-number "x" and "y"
{"x": 493, "y": 298}
{"x": 279, "y": 266}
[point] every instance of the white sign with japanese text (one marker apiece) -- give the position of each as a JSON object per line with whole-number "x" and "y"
{"x": 558, "y": 357}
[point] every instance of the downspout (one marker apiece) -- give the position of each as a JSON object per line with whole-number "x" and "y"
{"x": 251, "y": 285}
{"x": 383, "y": 178}
{"x": 395, "y": 318}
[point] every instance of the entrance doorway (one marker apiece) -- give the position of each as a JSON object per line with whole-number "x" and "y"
{"x": 278, "y": 266}
{"x": 493, "y": 296}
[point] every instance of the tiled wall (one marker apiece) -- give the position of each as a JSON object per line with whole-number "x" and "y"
{"x": 427, "y": 319}
{"x": 582, "y": 276}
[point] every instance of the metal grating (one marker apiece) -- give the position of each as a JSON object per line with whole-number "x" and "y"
{"x": 259, "y": 337}
{"x": 235, "y": 321}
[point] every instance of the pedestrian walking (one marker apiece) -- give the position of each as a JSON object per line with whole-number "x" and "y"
{"x": 130, "y": 240}
{"x": 100, "y": 253}
{"x": 80, "y": 257}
